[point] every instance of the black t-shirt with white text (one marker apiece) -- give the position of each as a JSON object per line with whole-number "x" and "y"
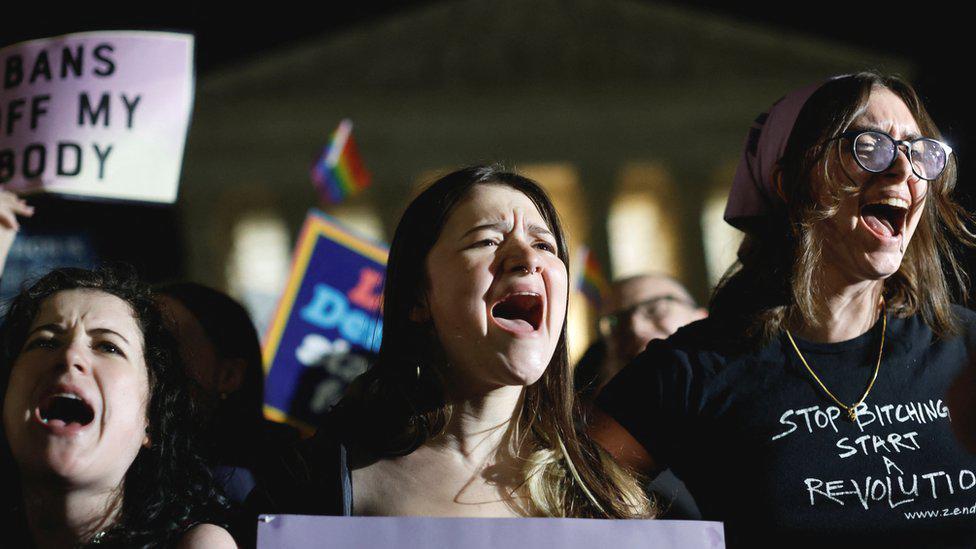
{"x": 762, "y": 448}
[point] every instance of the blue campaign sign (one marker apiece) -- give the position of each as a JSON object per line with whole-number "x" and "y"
{"x": 327, "y": 324}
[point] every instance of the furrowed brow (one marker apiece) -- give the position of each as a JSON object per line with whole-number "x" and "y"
{"x": 866, "y": 126}
{"x": 102, "y": 331}
{"x": 540, "y": 230}
{"x": 49, "y": 327}
{"x": 871, "y": 125}
{"x": 499, "y": 226}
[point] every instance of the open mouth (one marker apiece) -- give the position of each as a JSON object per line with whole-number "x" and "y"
{"x": 64, "y": 410}
{"x": 886, "y": 217}
{"x": 519, "y": 312}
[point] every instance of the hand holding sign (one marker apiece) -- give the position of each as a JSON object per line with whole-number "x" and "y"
{"x": 11, "y": 206}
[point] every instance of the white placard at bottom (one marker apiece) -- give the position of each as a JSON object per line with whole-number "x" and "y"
{"x": 294, "y": 531}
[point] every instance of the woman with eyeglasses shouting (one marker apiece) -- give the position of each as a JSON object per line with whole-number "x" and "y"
{"x": 809, "y": 406}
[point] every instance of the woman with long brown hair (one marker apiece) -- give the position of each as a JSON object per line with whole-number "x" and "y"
{"x": 809, "y": 406}
{"x": 469, "y": 409}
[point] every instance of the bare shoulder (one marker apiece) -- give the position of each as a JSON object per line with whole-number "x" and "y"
{"x": 207, "y": 536}
{"x": 385, "y": 486}
{"x": 367, "y": 482}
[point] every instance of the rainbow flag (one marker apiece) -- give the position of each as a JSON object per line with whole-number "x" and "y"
{"x": 339, "y": 172}
{"x": 590, "y": 280}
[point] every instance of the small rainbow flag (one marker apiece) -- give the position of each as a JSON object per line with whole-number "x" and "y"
{"x": 591, "y": 281}
{"x": 339, "y": 172}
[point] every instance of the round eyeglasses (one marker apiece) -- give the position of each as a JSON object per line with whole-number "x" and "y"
{"x": 876, "y": 151}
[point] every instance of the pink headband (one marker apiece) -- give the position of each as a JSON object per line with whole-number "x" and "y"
{"x": 753, "y": 193}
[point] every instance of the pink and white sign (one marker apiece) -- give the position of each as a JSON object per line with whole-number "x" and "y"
{"x": 287, "y": 531}
{"x": 100, "y": 115}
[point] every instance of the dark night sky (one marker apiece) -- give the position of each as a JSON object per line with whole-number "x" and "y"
{"x": 933, "y": 37}
{"x": 227, "y": 36}
{"x": 223, "y": 36}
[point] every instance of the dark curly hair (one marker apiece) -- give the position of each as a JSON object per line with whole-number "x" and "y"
{"x": 168, "y": 488}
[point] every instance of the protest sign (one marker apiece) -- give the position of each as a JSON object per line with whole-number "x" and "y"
{"x": 327, "y": 322}
{"x": 101, "y": 115}
{"x": 279, "y": 531}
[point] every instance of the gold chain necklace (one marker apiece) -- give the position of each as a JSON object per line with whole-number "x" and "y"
{"x": 852, "y": 409}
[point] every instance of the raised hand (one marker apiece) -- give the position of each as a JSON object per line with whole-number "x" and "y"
{"x": 11, "y": 206}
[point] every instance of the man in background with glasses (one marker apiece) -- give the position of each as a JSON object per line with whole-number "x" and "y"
{"x": 640, "y": 308}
